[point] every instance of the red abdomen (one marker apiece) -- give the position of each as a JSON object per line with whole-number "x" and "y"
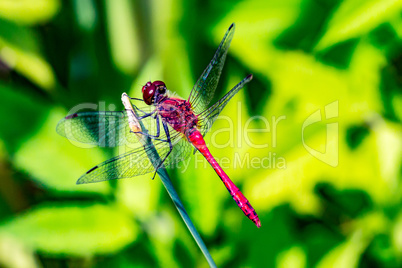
{"x": 197, "y": 140}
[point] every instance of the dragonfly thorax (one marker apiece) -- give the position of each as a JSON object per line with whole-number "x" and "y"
{"x": 178, "y": 114}
{"x": 153, "y": 92}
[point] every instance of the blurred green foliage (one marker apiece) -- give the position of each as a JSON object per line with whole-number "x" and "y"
{"x": 304, "y": 55}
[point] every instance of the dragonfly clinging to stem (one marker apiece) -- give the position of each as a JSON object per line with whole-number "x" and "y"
{"x": 178, "y": 127}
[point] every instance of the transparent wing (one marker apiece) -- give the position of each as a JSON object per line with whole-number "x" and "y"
{"x": 109, "y": 129}
{"x": 204, "y": 90}
{"x": 105, "y": 129}
{"x": 138, "y": 161}
{"x": 208, "y": 117}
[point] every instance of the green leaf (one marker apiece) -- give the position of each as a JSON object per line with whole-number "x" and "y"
{"x": 123, "y": 35}
{"x": 73, "y": 230}
{"x": 18, "y": 106}
{"x": 357, "y": 17}
{"x": 293, "y": 257}
{"x": 349, "y": 252}
{"x": 29, "y": 11}
{"x": 57, "y": 162}
{"x": 20, "y": 36}
{"x": 255, "y": 17}
{"x": 30, "y": 64}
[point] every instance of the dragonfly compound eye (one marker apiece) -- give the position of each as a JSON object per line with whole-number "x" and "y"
{"x": 160, "y": 86}
{"x": 148, "y": 93}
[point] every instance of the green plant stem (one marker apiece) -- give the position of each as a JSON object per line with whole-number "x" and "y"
{"x": 155, "y": 159}
{"x": 183, "y": 213}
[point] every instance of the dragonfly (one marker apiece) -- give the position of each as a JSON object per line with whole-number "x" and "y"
{"x": 175, "y": 125}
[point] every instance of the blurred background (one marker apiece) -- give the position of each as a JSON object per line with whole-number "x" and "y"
{"x": 329, "y": 194}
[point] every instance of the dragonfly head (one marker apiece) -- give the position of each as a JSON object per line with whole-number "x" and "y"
{"x": 152, "y": 90}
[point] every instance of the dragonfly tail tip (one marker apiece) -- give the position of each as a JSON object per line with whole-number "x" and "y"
{"x": 257, "y": 222}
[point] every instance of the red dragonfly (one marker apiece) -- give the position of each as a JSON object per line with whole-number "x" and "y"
{"x": 184, "y": 123}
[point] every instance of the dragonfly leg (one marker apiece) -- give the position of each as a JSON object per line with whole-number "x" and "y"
{"x": 146, "y": 115}
{"x": 138, "y": 109}
{"x": 137, "y": 99}
{"x": 155, "y": 137}
{"x": 166, "y": 129}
